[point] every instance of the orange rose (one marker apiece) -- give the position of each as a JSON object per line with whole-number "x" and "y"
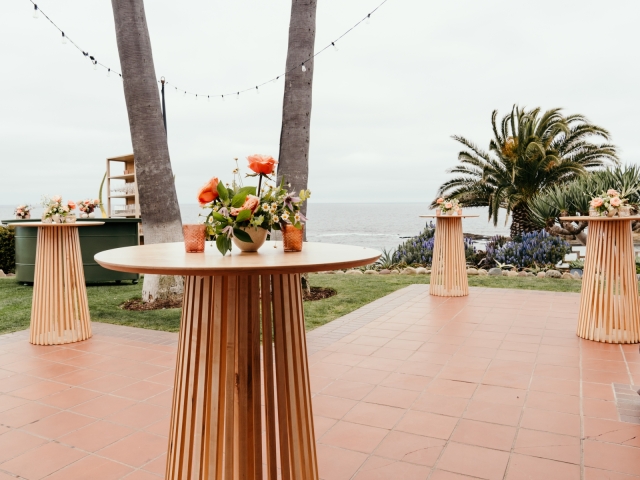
{"x": 264, "y": 164}
{"x": 440, "y": 200}
{"x": 250, "y": 203}
{"x": 72, "y": 205}
{"x": 209, "y": 192}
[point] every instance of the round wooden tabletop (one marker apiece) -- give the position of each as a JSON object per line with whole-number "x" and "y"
{"x": 586, "y": 218}
{"x": 171, "y": 259}
{"x": 42, "y": 224}
{"x": 449, "y": 216}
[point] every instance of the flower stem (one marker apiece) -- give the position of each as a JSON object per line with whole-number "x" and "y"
{"x": 259, "y": 184}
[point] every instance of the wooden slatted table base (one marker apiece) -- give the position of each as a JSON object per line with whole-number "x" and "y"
{"x": 59, "y": 310}
{"x": 216, "y": 426}
{"x": 609, "y": 306}
{"x": 449, "y": 266}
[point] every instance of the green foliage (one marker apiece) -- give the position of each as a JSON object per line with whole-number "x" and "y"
{"x": 386, "y": 259}
{"x": 7, "y": 249}
{"x": 530, "y": 151}
{"x": 573, "y": 198}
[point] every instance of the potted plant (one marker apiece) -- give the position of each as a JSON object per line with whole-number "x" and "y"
{"x": 609, "y": 204}
{"x": 244, "y": 215}
{"x": 448, "y": 207}
{"x": 87, "y": 207}
{"x": 55, "y": 211}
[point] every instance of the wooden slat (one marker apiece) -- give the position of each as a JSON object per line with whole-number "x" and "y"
{"x": 269, "y": 383}
{"x": 448, "y": 265}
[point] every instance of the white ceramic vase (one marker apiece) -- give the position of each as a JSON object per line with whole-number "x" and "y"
{"x": 258, "y": 236}
{"x": 56, "y": 218}
{"x": 70, "y": 219}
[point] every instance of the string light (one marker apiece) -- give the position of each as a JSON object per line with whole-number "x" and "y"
{"x": 65, "y": 39}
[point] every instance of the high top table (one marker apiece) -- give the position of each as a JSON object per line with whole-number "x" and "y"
{"x": 216, "y": 424}
{"x": 59, "y": 308}
{"x": 609, "y": 305}
{"x": 449, "y": 266}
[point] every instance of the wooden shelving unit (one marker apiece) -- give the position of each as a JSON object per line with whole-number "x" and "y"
{"x": 131, "y": 206}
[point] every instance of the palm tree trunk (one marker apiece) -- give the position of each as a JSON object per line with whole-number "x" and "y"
{"x": 158, "y": 200}
{"x": 521, "y": 221}
{"x": 296, "y": 107}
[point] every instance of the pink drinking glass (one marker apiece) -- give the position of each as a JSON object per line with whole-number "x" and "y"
{"x": 194, "y": 235}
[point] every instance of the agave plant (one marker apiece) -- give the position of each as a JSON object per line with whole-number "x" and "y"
{"x": 573, "y": 199}
{"x": 386, "y": 259}
{"x": 530, "y": 151}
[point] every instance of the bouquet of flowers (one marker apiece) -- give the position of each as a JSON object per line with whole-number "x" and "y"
{"x": 448, "y": 207}
{"x": 22, "y": 212}
{"x": 609, "y": 204}
{"x": 87, "y": 207}
{"x": 55, "y": 209}
{"x": 234, "y": 211}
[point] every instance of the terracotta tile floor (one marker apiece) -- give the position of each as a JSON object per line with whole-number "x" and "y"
{"x": 492, "y": 386}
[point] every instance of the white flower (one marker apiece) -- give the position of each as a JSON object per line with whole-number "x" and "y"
{"x": 297, "y": 217}
{"x": 265, "y": 207}
{"x": 285, "y": 216}
{"x": 275, "y": 219}
{"x": 274, "y": 206}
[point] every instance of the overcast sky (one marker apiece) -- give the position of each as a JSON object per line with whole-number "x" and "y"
{"x": 384, "y": 105}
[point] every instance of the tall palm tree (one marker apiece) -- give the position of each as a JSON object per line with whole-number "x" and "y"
{"x": 296, "y": 107}
{"x": 529, "y": 151}
{"x": 156, "y": 188}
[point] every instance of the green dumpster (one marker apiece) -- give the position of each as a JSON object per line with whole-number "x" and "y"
{"x": 115, "y": 233}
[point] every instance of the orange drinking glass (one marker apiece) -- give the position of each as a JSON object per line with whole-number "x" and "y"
{"x": 292, "y": 238}
{"x": 194, "y": 235}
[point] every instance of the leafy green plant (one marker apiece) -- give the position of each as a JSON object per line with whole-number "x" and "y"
{"x": 580, "y": 264}
{"x": 386, "y": 259}
{"x": 7, "y": 249}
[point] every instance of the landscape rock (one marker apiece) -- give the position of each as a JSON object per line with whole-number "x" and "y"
{"x": 385, "y": 271}
{"x": 421, "y": 271}
{"x": 482, "y": 272}
{"x": 541, "y": 275}
{"x": 505, "y": 273}
{"x": 577, "y": 276}
{"x": 553, "y": 274}
{"x": 371, "y": 272}
{"x": 472, "y": 271}
{"x": 353, "y": 272}
{"x": 394, "y": 272}
{"x": 567, "y": 276}
{"x": 339, "y": 272}
{"x": 522, "y": 274}
{"x": 2, "y": 274}
{"x": 512, "y": 273}
{"x": 529, "y": 274}
{"x": 496, "y": 272}
{"x": 331, "y": 272}
{"x": 428, "y": 272}
{"x": 408, "y": 271}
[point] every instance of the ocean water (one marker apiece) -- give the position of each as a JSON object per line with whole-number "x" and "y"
{"x": 383, "y": 225}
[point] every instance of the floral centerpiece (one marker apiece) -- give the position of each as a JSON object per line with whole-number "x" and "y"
{"x": 244, "y": 215}
{"x": 56, "y": 211}
{"x": 87, "y": 207}
{"x": 609, "y": 204}
{"x": 448, "y": 207}
{"x": 22, "y": 212}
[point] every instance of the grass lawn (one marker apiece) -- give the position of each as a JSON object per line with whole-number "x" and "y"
{"x": 354, "y": 291}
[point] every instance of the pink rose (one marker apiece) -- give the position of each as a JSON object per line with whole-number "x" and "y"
{"x": 448, "y": 205}
{"x": 56, "y": 198}
{"x": 596, "y": 202}
{"x": 251, "y": 203}
{"x": 96, "y": 202}
{"x": 615, "y": 202}
{"x": 440, "y": 200}
{"x": 612, "y": 193}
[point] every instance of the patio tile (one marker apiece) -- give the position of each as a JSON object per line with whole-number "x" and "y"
{"x": 522, "y": 467}
{"x": 353, "y": 436}
{"x": 443, "y": 405}
{"x": 136, "y": 449}
{"x": 95, "y": 436}
{"x": 502, "y": 395}
{"x": 612, "y": 431}
{"x": 38, "y": 390}
{"x": 470, "y": 460}
{"x": 332, "y": 407}
{"x": 92, "y": 468}
{"x": 103, "y": 406}
{"x": 337, "y": 463}
{"x": 562, "y": 448}
{"x": 596, "y": 474}
{"x": 141, "y": 390}
{"x": 377, "y": 468}
{"x": 25, "y": 414}
{"x": 109, "y": 383}
{"x": 139, "y": 415}
{"x": 452, "y": 388}
{"x": 70, "y": 397}
{"x": 553, "y": 402}
{"x": 393, "y": 397}
{"x": 607, "y": 456}
{"x": 427, "y": 424}
{"x": 365, "y": 375}
{"x": 56, "y": 425}
{"x": 41, "y": 461}
{"x": 348, "y": 389}
{"x": 554, "y": 422}
{"x": 489, "y": 435}
{"x": 374, "y": 415}
{"x": 16, "y": 442}
{"x": 493, "y": 413}
{"x": 406, "y": 381}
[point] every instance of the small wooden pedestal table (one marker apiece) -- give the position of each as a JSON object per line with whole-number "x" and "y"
{"x": 448, "y": 266}
{"x": 59, "y": 309}
{"x": 609, "y": 306}
{"x": 216, "y": 426}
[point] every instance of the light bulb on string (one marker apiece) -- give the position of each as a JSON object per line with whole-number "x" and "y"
{"x": 335, "y": 48}
{"x": 238, "y": 96}
{"x": 223, "y": 98}
{"x": 257, "y": 90}
{"x": 196, "y": 96}
{"x": 95, "y": 65}
{"x": 304, "y": 69}
{"x": 108, "y": 72}
{"x": 35, "y": 11}
{"x": 64, "y": 38}
{"x": 208, "y": 99}
{"x": 275, "y": 79}
{"x": 185, "y": 93}
{"x": 369, "y": 19}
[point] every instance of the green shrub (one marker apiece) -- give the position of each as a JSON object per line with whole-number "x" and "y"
{"x": 7, "y": 250}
